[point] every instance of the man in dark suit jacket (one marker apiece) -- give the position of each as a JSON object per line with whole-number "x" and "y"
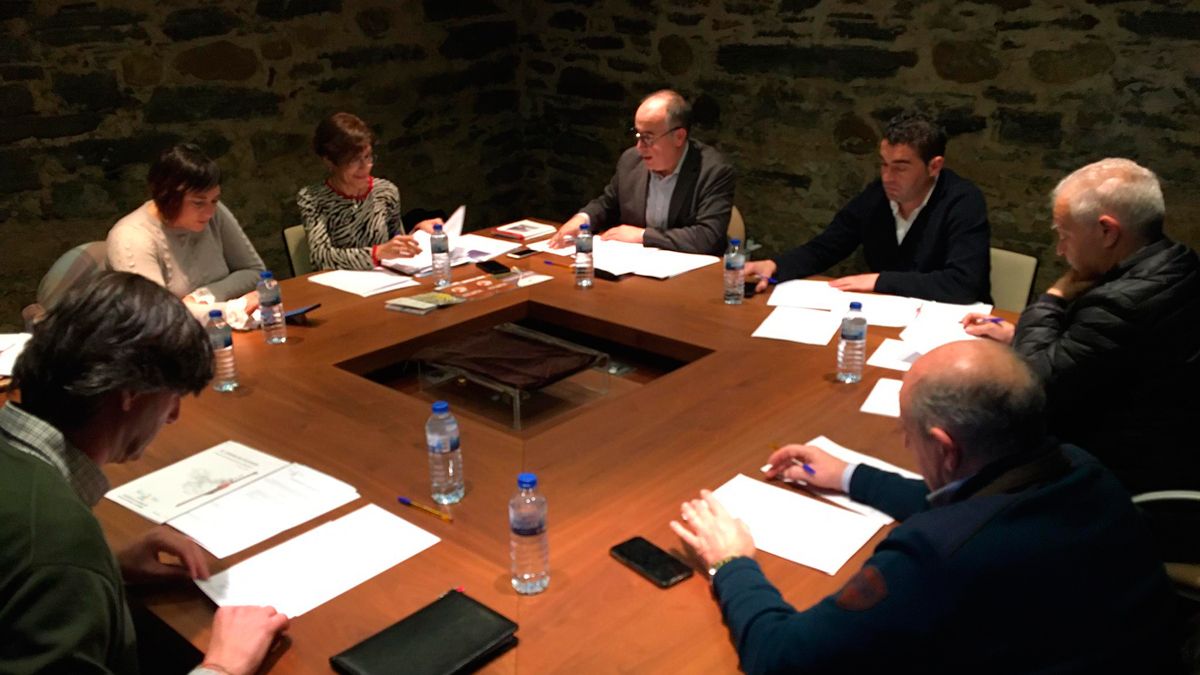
{"x": 1015, "y": 554}
{"x": 923, "y": 228}
{"x": 669, "y": 191}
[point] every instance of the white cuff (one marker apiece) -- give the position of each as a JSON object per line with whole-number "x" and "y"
{"x": 847, "y": 474}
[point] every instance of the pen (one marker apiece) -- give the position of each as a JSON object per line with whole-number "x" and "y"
{"x": 558, "y": 264}
{"x": 416, "y": 505}
{"x": 772, "y": 280}
{"x": 988, "y": 319}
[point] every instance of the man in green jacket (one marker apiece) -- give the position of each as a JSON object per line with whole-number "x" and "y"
{"x": 100, "y": 377}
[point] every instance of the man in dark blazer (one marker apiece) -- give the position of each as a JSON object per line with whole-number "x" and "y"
{"x": 669, "y": 191}
{"x": 1015, "y": 554}
{"x": 923, "y": 228}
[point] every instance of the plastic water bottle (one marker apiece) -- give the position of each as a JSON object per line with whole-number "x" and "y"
{"x": 852, "y": 345}
{"x": 270, "y": 307}
{"x": 445, "y": 455}
{"x": 735, "y": 273}
{"x": 528, "y": 545}
{"x": 439, "y": 246}
{"x": 221, "y": 337}
{"x": 585, "y": 272}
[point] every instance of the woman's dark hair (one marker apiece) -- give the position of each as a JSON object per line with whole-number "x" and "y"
{"x": 120, "y": 331}
{"x": 180, "y": 170}
{"x": 341, "y": 137}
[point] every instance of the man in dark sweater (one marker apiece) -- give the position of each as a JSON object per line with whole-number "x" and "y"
{"x": 103, "y": 372}
{"x": 923, "y": 228}
{"x": 1115, "y": 339}
{"x": 1015, "y": 555}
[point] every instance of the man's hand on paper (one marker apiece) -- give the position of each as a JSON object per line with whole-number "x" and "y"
{"x": 827, "y": 469}
{"x": 714, "y": 534}
{"x": 140, "y": 562}
{"x": 399, "y": 246}
{"x": 630, "y": 233}
{"x": 988, "y": 326}
{"x": 764, "y": 270}
{"x": 568, "y": 231}
{"x": 241, "y": 637}
{"x": 860, "y": 283}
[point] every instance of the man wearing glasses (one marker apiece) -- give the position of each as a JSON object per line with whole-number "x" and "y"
{"x": 669, "y": 191}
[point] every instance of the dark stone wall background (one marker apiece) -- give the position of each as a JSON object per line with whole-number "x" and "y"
{"x": 517, "y": 107}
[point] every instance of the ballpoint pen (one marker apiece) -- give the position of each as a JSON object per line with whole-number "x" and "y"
{"x": 432, "y": 511}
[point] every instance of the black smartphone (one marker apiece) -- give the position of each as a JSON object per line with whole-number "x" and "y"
{"x": 522, "y": 253}
{"x": 300, "y": 314}
{"x": 492, "y": 267}
{"x": 650, "y": 561}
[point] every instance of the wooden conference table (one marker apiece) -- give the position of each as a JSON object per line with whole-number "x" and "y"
{"x": 613, "y": 469}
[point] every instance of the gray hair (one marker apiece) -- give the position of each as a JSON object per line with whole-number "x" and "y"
{"x": 679, "y": 111}
{"x": 1119, "y": 187}
{"x": 989, "y": 417}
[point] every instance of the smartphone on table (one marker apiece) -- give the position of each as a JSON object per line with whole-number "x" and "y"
{"x": 522, "y": 253}
{"x": 492, "y": 267}
{"x": 650, "y": 561}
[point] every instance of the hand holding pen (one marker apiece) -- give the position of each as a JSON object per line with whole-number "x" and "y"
{"x": 988, "y": 326}
{"x": 806, "y": 464}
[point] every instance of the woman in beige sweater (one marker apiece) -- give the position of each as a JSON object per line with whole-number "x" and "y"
{"x": 186, "y": 240}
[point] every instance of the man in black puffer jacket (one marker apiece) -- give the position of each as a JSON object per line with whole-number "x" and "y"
{"x": 1117, "y": 338}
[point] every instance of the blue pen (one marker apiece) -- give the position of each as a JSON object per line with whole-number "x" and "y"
{"x": 772, "y": 280}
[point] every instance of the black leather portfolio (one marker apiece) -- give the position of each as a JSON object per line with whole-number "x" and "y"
{"x": 453, "y": 634}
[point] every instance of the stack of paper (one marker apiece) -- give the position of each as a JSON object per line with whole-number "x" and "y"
{"x": 231, "y": 497}
{"x": 940, "y": 323}
{"x": 808, "y": 326}
{"x": 796, "y": 527}
{"x": 11, "y": 346}
{"x": 363, "y": 282}
{"x": 321, "y": 564}
{"x": 880, "y": 310}
{"x": 620, "y": 257}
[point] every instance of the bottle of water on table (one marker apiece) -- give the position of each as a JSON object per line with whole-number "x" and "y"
{"x": 220, "y": 335}
{"x": 270, "y": 307}
{"x": 439, "y": 246}
{"x": 584, "y": 269}
{"x": 852, "y": 345}
{"x": 735, "y": 273}
{"x": 445, "y": 456}
{"x": 528, "y": 545}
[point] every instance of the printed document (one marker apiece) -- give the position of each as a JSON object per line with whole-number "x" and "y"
{"x": 793, "y": 526}
{"x": 321, "y": 564}
{"x": 364, "y": 283}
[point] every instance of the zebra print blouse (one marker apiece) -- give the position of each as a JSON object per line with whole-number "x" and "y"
{"x": 341, "y": 230}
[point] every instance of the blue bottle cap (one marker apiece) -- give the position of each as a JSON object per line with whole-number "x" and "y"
{"x": 441, "y": 407}
{"x": 214, "y": 314}
{"x": 585, "y": 228}
{"x": 265, "y": 274}
{"x": 437, "y": 228}
{"x": 856, "y": 305}
{"x": 735, "y": 241}
{"x": 526, "y": 481}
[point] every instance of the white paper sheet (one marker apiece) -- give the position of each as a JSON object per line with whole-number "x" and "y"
{"x": 286, "y": 498}
{"x": 567, "y": 251}
{"x": 884, "y": 399}
{"x": 880, "y": 310}
{"x": 796, "y": 527}
{"x": 853, "y": 457}
{"x": 194, "y": 481}
{"x": 477, "y": 248}
{"x": 796, "y": 324}
{"x": 621, "y": 257}
{"x": 895, "y": 355}
{"x": 364, "y": 283}
{"x": 11, "y": 346}
{"x": 321, "y": 564}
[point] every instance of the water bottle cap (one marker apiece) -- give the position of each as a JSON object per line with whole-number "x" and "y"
{"x": 585, "y": 228}
{"x": 265, "y": 274}
{"x": 735, "y": 241}
{"x": 527, "y": 481}
{"x": 214, "y": 314}
{"x": 856, "y": 305}
{"x": 441, "y": 407}
{"x": 437, "y": 227}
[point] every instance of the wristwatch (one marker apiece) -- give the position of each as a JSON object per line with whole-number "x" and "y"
{"x": 712, "y": 570}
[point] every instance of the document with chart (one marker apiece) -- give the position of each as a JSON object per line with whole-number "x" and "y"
{"x": 231, "y": 496}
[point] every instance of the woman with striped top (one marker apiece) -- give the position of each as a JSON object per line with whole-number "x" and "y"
{"x": 352, "y": 218}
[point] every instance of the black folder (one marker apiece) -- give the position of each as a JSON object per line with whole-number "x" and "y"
{"x": 453, "y": 634}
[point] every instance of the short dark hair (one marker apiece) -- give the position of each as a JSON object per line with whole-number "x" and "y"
{"x": 120, "y": 331}
{"x": 179, "y": 170}
{"x": 989, "y": 418}
{"x": 341, "y": 137}
{"x": 679, "y": 111}
{"x": 919, "y": 131}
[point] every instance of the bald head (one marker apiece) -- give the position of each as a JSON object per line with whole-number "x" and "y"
{"x": 980, "y": 394}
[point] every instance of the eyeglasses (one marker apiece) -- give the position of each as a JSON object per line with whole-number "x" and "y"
{"x": 648, "y": 139}
{"x": 365, "y": 160}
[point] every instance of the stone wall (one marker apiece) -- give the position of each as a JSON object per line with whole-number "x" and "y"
{"x": 521, "y": 107}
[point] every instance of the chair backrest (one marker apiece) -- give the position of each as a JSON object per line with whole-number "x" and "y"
{"x": 76, "y": 266}
{"x": 737, "y": 226}
{"x": 1012, "y": 279}
{"x": 295, "y": 241}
